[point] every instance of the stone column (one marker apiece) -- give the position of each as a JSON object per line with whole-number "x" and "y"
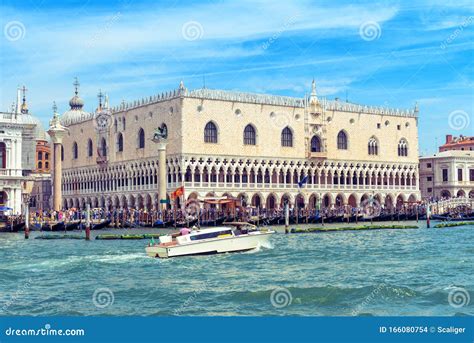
{"x": 162, "y": 182}
{"x": 57, "y": 191}
{"x": 56, "y": 132}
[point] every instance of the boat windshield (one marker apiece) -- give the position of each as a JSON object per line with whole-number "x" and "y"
{"x": 214, "y": 234}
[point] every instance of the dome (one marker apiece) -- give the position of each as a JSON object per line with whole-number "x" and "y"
{"x": 39, "y": 132}
{"x": 76, "y": 102}
{"x": 74, "y": 116}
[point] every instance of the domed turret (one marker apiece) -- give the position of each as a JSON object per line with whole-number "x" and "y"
{"x": 76, "y": 113}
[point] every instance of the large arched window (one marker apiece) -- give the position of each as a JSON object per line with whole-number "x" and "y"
{"x": 90, "y": 148}
{"x": 75, "y": 152}
{"x": 3, "y": 155}
{"x": 103, "y": 147}
{"x": 141, "y": 139}
{"x": 402, "y": 147}
{"x": 287, "y": 137}
{"x": 316, "y": 144}
{"x": 373, "y": 146}
{"x": 119, "y": 142}
{"x": 250, "y": 136}
{"x": 40, "y": 155}
{"x": 210, "y": 133}
{"x": 342, "y": 140}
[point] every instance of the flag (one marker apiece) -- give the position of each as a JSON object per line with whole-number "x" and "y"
{"x": 303, "y": 181}
{"x": 178, "y": 192}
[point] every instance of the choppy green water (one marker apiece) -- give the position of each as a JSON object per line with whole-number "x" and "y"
{"x": 393, "y": 272}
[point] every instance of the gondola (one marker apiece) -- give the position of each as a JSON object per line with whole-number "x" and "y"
{"x": 18, "y": 227}
{"x": 74, "y": 225}
{"x": 215, "y": 222}
{"x": 35, "y": 226}
{"x": 274, "y": 220}
{"x": 162, "y": 224}
{"x": 53, "y": 226}
{"x": 451, "y": 219}
{"x": 101, "y": 225}
{"x": 10, "y": 228}
{"x": 184, "y": 223}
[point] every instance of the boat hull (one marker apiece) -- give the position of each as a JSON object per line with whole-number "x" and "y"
{"x": 231, "y": 244}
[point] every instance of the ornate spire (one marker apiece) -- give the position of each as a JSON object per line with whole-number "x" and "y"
{"x": 55, "y": 109}
{"x": 417, "y": 109}
{"x": 106, "y": 101}
{"x": 313, "y": 97}
{"x": 24, "y": 106}
{"x": 76, "y": 85}
{"x": 100, "y": 95}
{"x": 76, "y": 103}
{"x": 18, "y": 100}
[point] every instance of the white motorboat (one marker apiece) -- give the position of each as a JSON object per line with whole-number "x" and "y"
{"x": 234, "y": 237}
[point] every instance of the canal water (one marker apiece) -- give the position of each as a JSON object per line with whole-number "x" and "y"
{"x": 367, "y": 273}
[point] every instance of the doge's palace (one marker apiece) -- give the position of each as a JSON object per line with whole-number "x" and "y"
{"x": 261, "y": 148}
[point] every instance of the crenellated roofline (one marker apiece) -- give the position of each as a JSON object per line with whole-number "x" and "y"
{"x": 264, "y": 99}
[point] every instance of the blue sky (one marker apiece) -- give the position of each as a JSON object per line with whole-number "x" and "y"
{"x": 375, "y": 53}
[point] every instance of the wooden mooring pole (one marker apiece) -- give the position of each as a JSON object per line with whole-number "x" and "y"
{"x": 88, "y": 222}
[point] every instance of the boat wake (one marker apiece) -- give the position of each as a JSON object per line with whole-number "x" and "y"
{"x": 265, "y": 245}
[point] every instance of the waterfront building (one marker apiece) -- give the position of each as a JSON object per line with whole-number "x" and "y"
{"x": 41, "y": 193}
{"x": 458, "y": 143}
{"x": 19, "y": 131}
{"x": 255, "y": 147}
{"x": 447, "y": 174}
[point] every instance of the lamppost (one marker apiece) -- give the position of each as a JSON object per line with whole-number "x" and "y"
{"x": 26, "y": 188}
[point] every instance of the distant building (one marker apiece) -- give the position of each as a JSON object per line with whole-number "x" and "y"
{"x": 19, "y": 131}
{"x": 458, "y": 143}
{"x": 447, "y": 174}
{"x": 43, "y": 156}
{"x": 41, "y": 194}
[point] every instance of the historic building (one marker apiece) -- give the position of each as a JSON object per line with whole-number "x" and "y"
{"x": 457, "y": 143}
{"x": 447, "y": 174}
{"x": 19, "y": 131}
{"x": 264, "y": 149}
{"x": 41, "y": 194}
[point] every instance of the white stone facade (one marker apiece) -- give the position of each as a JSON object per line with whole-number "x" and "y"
{"x": 447, "y": 174}
{"x": 262, "y": 167}
{"x": 17, "y": 150}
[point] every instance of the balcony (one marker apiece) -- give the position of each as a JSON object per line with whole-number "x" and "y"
{"x": 10, "y": 172}
{"x": 318, "y": 155}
